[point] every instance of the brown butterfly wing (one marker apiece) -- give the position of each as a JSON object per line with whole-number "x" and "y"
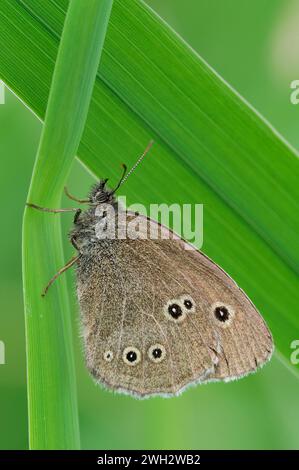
{"x": 125, "y": 288}
{"x": 122, "y": 297}
{"x": 244, "y": 341}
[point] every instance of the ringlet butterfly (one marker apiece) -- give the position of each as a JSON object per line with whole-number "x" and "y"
{"x": 157, "y": 317}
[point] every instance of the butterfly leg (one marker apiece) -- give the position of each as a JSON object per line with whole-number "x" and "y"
{"x": 73, "y": 234}
{"x": 46, "y": 209}
{"x": 69, "y": 264}
{"x": 74, "y": 243}
{"x": 70, "y": 196}
{"x": 77, "y": 215}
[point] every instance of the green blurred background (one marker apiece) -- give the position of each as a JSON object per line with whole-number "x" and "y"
{"x": 254, "y": 45}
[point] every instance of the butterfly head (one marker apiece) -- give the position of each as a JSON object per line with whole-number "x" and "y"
{"x": 100, "y": 194}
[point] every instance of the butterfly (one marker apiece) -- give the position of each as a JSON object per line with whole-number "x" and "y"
{"x": 157, "y": 317}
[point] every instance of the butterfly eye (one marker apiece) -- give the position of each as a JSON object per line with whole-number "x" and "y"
{"x": 223, "y": 314}
{"x": 174, "y": 310}
{"x": 131, "y": 356}
{"x": 108, "y": 356}
{"x": 156, "y": 353}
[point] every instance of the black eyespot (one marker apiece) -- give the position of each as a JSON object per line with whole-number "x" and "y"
{"x": 131, "y": 356}
{"x": 108, "y": 356}
{"x": 157, "y": 353}
{"x": 175, "y": 311}
{"x": 221, "y": 313}
{"x": 188, "y": 304}
{"x": 104, "y": 214}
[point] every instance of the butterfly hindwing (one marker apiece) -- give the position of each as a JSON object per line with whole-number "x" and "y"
{"x": 157, "y": 317}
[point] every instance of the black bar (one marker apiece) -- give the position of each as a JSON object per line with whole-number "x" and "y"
{"x": 135, "y": 458}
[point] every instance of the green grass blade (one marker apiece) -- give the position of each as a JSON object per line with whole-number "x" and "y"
{"x": 213, "y": 130}
{"x": 53, "y": 416}
{"x": 211, "y": 146}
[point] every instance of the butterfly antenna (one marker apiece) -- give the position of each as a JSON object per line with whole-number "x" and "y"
{"x": 121, "y": 179}
{"x": 126, "y": 175}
